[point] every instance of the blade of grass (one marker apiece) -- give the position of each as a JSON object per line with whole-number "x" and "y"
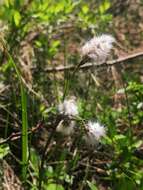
{"x": 24, "y": 133}
{"x": 24, "y": 115}
{"x": 24, "y": 122}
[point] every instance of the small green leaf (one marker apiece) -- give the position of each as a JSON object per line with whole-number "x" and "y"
{"x": 85, "y": 9}
{"x": 4, "y": 150}
{"x": 7, "y": 3}
{"x": 104, "y": 6}
{"x": 34, "y": 158}
{"x": 53, "y": 186}
{"x": 92, "y": 185}
{"x": 17, "y": 18}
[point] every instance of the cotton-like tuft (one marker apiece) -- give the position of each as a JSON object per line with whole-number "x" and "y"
{"x": 68, "y": 108}
{"x": 98, "y": 48}
{"x": 95, "y": 132}
{"x": 66, "y": 128}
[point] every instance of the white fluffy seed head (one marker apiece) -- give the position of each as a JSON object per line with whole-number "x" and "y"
{"x": 66, "y": 129}
{"x": 68, "y": 107}
{"x": 98, "y": 48}
{"x": 95, "y": 132}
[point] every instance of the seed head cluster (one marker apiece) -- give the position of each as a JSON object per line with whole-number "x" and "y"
{"x": 68, "y": 107}
{"x": 95, "y": 131}
{"x": 66, "y": 128}
{"x": 98, "y": 48}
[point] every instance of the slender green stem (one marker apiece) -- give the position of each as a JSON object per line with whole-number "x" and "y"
{"x": 24, "y": 133}
{"x": 24, "y": 116}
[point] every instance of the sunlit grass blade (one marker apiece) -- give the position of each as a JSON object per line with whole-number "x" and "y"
{"x": 24, "y": 133}
{"x": 24, "y": 120}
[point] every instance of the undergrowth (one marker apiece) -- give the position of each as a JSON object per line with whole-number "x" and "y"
{"x": 38, "y": 35}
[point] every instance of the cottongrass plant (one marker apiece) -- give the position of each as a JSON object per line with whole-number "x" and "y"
{"x": 68, "y": 107}
{"x": 69, "y": 110}
{"x": 95, "y": 50}
{"x": 66, "y": 128}
{"x": 98, "y": 48}
{"x": 94, "y": 132}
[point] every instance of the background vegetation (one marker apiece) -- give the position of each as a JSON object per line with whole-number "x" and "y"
{"x": 38, "y": 36}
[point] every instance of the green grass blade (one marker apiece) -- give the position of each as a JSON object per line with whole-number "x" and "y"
{"x": 24, "y": 133}
{"x": 24, "y": 121}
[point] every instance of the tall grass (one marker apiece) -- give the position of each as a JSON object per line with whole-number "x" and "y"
{"x": 24, "y": 115}
{"x": 24, "y": 122}
{"x": 24, "y": 133}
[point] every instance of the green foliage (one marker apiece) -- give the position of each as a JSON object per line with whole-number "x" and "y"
{"x": 24, "y": 120}
{"x": 92, "y": 185}
{"x": 45, "y": 33}
{"x": 54, "y": 187}
{"x": 4, "y": 150}
{"x": 135, "y": 91}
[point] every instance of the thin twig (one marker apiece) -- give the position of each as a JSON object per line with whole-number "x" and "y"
{"x": 89, "y": 65}
{"x": 15, "y": 136}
